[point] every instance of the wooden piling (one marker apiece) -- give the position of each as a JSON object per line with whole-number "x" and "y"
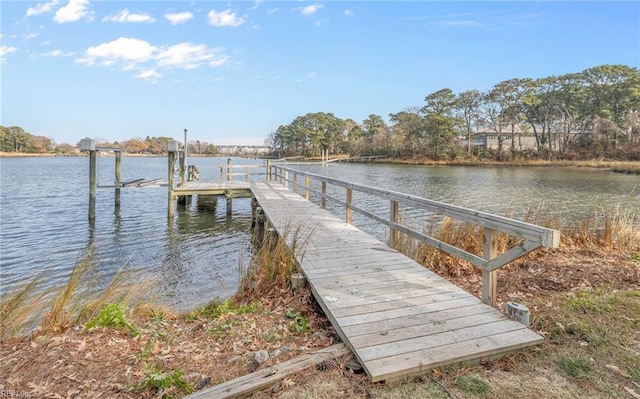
{"x": 93, "y": 183}
{"x": 118, "y": 176}
{"x": 171, "y": 157}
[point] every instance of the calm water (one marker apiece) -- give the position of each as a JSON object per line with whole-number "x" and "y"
{"x": 44, "y": 226}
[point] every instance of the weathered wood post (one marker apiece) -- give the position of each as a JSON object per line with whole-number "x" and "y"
{"x": 393, "y": 218}
{"x": 183, "y": 160}
{"x": 229, "y": 178}
{"x": 88, "y": 144}
{"x": 348, "y": 205}
{"x": 306, "y": 187}
{"x": 172, "y": 151}
{"x": 286, "y": 178}
{"x": 268, "y": 172}
{"x": 118, "y": 176}
{"x": 295, "y": 182}
{"x": 323, "y": 201}
{"x": 490, "y": 278}
{"x": 246, "y": 173}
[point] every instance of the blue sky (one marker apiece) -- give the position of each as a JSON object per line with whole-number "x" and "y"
{"x": 232, "y": 72}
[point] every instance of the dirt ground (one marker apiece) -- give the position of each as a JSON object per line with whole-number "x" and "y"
{"x": 173, "y": 354}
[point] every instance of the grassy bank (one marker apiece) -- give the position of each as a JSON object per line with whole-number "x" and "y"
{"x": 120, "y": 342}
{"x": 615, "y": 166}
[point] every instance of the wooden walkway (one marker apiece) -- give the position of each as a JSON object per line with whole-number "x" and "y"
{"x": 396, "y": 316}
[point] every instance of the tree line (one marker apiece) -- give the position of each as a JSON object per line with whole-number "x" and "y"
{"x": 590, "y": 114}
{"x": 16, "y": 139}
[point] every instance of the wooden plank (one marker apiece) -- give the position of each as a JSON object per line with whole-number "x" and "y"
{"x": 408, "y": 311}
{"x": 423, "y": 330}
{"x": 422, "y": 343}
{"x": 270, "y": 375}
{"x": 424, "y": 319}
{"x": 423, "y": 300}
{"x": 427, "y": 359}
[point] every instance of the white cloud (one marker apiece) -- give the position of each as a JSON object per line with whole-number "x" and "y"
{"x": 31, "y": 35}
{"x": 225, "y": 18}
{"x": 73, "y": 11}
{"x": 54, "y": 53}
{"x": 46, "y": 43}
{"x": 149, "y": 74}
{"x": 4, "y": 50}
{"x": 126, "y": 16}
{"x": 311, "y": 9}
{"x": 41, "y": 8}
{"x": 144, "y": 58}
{"x": 124, "y": 51}
{"x": 178, "y": 18}
{"x": 190, "y": 56}
{"x": 348, "y": 13}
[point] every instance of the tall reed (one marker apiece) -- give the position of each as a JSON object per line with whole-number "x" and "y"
{"x": 272, "y": 264}
{"x": 77, "y": 301}
{"x": 611, "y": 231}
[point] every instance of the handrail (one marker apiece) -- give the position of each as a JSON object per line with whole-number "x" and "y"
{"x": 533, "y": 236}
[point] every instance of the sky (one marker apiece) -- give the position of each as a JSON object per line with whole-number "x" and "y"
{"x": 232, "y": 72}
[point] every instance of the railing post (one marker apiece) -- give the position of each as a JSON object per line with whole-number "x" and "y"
{"x": 295, "y": 182}
{"x": 221, "y": 173}
{"x": 323, "y": 201}
{"x": 349, "y": 201}
{"x": 490, "y": 279}
{"x": 229, "y": 170}
{"x": 306, "y": 187}
{"x": 286, "y": 179}
{"x": 393, "y": 218}
{"x": 268, "y": 171}
{"x": 246, "y": 173}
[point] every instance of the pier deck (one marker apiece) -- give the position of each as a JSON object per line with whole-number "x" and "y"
{"x": 233, "y": 188}
{"x": 396, "y": 316}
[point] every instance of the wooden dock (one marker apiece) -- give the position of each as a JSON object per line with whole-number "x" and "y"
{"x": 396, "y": 316}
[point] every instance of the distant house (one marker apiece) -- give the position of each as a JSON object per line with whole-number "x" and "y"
{"x": 522, "y": 137}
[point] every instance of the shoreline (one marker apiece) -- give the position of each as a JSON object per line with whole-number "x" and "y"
{"x": 630, "y": 167}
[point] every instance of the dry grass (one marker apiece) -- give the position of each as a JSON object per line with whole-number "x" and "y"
{"x": 80, "y": 299}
